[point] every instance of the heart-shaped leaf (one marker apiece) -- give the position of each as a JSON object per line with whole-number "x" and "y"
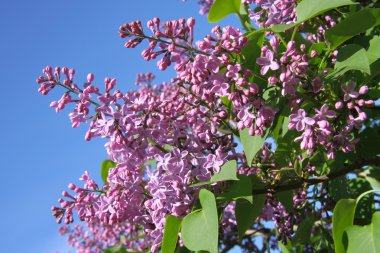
{"x": 343, "y": 217}
{"x": 251, "y": 144}
{"x": 365, "y": 238}
{"x": 200, "y": 228}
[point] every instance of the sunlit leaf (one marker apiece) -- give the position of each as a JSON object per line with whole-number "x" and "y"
{"x": 200, "y": 228}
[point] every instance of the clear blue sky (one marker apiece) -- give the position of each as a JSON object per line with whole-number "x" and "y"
{"x": 40, "y": 152}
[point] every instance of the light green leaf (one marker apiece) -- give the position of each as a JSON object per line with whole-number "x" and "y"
{"x": 373, "y": 54}
{"x": 200, "y": 228}
{"x": 308, "y": 9}
{"x": 106, "y": 166}
{"x": 351, "y": 57}
{"x": 169, "y": 241}
{"x": 251, "y": 144}
{"x": 115, "y": 249}
{"x": 246, "y": 213}
{"x": 365, "y": 239}
{"x": 356, "y": 23}
{"x": 222, "y": 8}
{"x": 343, "y": 217}
{"x": 227, "y": 172}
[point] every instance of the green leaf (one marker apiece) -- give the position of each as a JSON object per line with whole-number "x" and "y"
{"x": 358, "y": 22}
{"x": 365, "y": 238}
{"x": 251, "y": 144}
{"x": 373, "y": 177}
{"x": 283, "y": 152}
{"x": 304, "y": 230}
{"x": 282, "y": 27}
{"x": 222, "y": 8}
{"x": 343, "y": 217}
{"x": 169, "y": 241}
{"x": 241, "y": 189}
{"x": 308, "y": 9}
{"x": 373, "y": 54}
{"x": 364, "y": 209}
{"x": 115, "y": 249}
{"x": 351, "y": 57}
{"x": 286, "y": 198}
{"x": 246, "y": 213}
{"x": 338, "y": 188}
{"x": 106, "y": 166}
{"x": 253, "y": 50}
{"x": 227, "y": 172}
{"x": 200, "y": 228}
{"x": 369, "y": 143}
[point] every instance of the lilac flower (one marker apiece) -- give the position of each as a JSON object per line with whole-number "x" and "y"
{"x": 267, "y": 62}
{"x": 349, "y": 91}
{"x": 299, "y": 121}
{"x": 323, "y": 114}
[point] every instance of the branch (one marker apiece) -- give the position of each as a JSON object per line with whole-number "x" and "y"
{"x": 316, "y": 180}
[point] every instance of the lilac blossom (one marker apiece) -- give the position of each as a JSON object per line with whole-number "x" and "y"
{"x": 299, "y": 120}
{"x": 267, "y": 62}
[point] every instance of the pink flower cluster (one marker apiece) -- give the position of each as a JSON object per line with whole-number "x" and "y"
{"x": 272, "y": 12}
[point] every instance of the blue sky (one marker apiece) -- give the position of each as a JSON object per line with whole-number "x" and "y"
{"x": 40, "y": 152}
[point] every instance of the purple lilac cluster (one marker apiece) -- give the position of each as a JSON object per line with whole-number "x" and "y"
{"x": 319, "y": 129}
{"x": 272, "y": 12}
{"x": 208, "y": 70}
{"x": 138, "y": 125}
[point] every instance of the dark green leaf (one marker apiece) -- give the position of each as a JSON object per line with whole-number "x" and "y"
{"x": 222, "y": 8}
{"x": 343, "y": 217}
{"x": 169, "y": 241}
{"x": 365, "y": 238}
{"x": 338, "y": 188}
{"x": 369, "y": 143}
{"x": 373, "y": 177}
{"x": 200, "y": 228}
{"x": 283, "y": 153}
{"x": 304, "y": 230}
{"x": 357, "y": 23}
{"x": 251, "y": 144}
{"x": 364, "y": 208}
{"x": 246, "y": 213}
{"x": 106, "y": 166}
{"x": 241, "y": 189}
{"x": 286, "y": 198}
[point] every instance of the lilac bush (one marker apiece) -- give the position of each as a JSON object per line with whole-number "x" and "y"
{"x": 256, "y": 132}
